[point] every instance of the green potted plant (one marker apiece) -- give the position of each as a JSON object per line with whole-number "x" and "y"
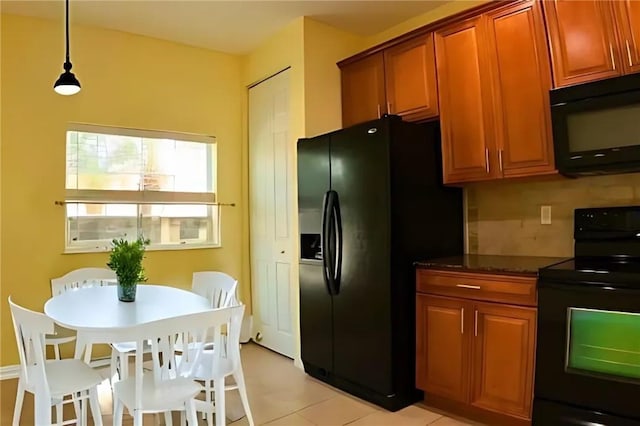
{"x": 126, "y": 260}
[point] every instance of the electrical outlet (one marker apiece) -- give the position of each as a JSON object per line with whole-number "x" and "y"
{"x": 545, "y": 215}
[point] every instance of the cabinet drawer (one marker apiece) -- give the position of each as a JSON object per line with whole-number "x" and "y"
{"x": 495, "y": 288}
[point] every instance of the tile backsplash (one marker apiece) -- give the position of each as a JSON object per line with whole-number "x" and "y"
{"x": 504, "y": 217}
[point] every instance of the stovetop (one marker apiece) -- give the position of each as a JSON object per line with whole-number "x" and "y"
{"x": 603, "y": 271}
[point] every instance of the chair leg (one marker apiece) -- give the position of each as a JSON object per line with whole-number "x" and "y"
{"x": 59, "y": 415}
{"x": 238, "y": 376}
{"x": 113, "y": 365}
{"x": 83, "y": 408}
{"x": 118, "y": 412}
{"x": 56, "y": 351}
{"x": 168, "y": 419}
{"x": 124, "y": 364}
{"x": 218, "y": 386}
{"x": 210, "y": 406}
{"x": 137, "y": 418}
{"x": 95, "y": 406}
{"x": 17, "y": 410}
{"x": 42, "y": 408}
{"x": 192, "y": 416}
{"x": 76, "y": 405}
{"x": 207, "y": 397}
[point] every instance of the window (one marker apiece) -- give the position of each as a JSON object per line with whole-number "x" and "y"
{"x": 126, "y": 182}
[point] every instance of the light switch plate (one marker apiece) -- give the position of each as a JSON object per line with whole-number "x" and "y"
{"x": 545, "y": 215}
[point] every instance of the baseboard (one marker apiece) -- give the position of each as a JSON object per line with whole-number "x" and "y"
{"x": 13, "y": 371}
{"x": 9, "y": 372}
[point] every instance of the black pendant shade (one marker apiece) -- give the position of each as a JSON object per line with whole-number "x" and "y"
{"x": 67, "y": 83}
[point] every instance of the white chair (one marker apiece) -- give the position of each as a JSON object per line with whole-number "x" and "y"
{"x": 83, "y": 277}
{"x": 169, "y": 386}
{"x": 50, "y": 380}
{"x": 89, "y": 277}
{"x": 214, "y": 363}
{"x": 219, "y": 288}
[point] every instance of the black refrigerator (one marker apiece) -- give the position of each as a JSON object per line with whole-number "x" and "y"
{"x": 371, "y": 202}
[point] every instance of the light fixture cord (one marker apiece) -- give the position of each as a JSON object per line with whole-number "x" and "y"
{"x": 67, "y": 23}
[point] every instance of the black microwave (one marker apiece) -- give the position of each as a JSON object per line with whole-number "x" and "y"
{"x": 596, "y": 126}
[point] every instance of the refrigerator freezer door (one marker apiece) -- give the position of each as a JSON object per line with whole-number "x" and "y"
{"x": 362, "y": 309}
{"x": 315, "y": 300}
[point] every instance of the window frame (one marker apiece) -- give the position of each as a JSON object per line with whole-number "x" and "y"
{"x": 142, "y": 197}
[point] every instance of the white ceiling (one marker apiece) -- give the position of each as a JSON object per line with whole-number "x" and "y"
{"x": 235, "y": 26}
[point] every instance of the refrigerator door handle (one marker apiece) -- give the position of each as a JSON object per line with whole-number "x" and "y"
{"x": 324, "y": 239}
{"x": 337, "y": 223}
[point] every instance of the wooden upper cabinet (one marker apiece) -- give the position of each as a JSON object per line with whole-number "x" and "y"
{"x": 464, "y": 90}
{"x": 363, "y": 94}
{"x": 583, "y": 41}
{"x": 628, "y": 19}
{"x": 521, "y": 79}
{"x": 442, "y": 346}
{"x": 410, "y": 74}
{"x": 503, "y": 358}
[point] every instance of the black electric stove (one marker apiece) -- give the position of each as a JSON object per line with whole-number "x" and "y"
{"x": 596, "y": 271}
{"x": 588, "y": 345}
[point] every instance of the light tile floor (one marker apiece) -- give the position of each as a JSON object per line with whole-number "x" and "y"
{"x": 279, "y": 394}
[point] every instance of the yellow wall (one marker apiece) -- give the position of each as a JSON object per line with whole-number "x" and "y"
{"x": 323, "y": 47}
{"x": 447, "y": 9}
{"x": 129, "y": 81}
{"x": 311, "y": 50}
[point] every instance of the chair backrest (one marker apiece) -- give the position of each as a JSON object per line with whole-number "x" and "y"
{"x": 219, "y": 288}
{"x": 164, "y": 334}
{"x": 83, "y": 277}
{"x": 30, "y": 328}
{"x": 225, "y": 336}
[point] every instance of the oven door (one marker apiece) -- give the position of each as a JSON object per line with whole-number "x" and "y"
{"x": 597, "y": 135}
{"x": 588, "y": 347}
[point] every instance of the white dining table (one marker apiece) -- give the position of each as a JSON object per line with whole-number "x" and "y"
{"x": 98, "y": 316}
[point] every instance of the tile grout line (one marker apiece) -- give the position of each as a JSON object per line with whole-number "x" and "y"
{"x": 298, "y": 410}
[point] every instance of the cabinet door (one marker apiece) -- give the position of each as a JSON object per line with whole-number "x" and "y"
{"x": 503, "y": 358}
{"x": 442, "y": 346}
{"x": 410, "y": 73}
{"x": 363, "y": 96}
{"x": 628, "y": 19}
{"x": 464, "y": 88}
{"x": 582, "y": 39}
{"x": 521, "y": 82}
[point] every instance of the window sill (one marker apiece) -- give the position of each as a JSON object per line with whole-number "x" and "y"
{"x": 164, "y": 247}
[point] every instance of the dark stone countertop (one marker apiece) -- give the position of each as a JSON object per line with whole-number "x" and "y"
{"x": 521, "y": 265}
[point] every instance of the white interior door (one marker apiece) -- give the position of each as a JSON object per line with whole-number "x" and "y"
{"x": 270, "y": 206}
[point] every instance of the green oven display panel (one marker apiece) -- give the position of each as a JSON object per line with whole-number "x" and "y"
{"x": 604, "y": 343}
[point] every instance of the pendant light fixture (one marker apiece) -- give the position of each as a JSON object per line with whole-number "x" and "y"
{"x": 67, "y": 84}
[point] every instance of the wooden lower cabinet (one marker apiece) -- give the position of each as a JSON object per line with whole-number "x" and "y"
{"x": 442, "y": 345}
{"x": 478, "y": 355}
{"x": 503, "y": 358}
